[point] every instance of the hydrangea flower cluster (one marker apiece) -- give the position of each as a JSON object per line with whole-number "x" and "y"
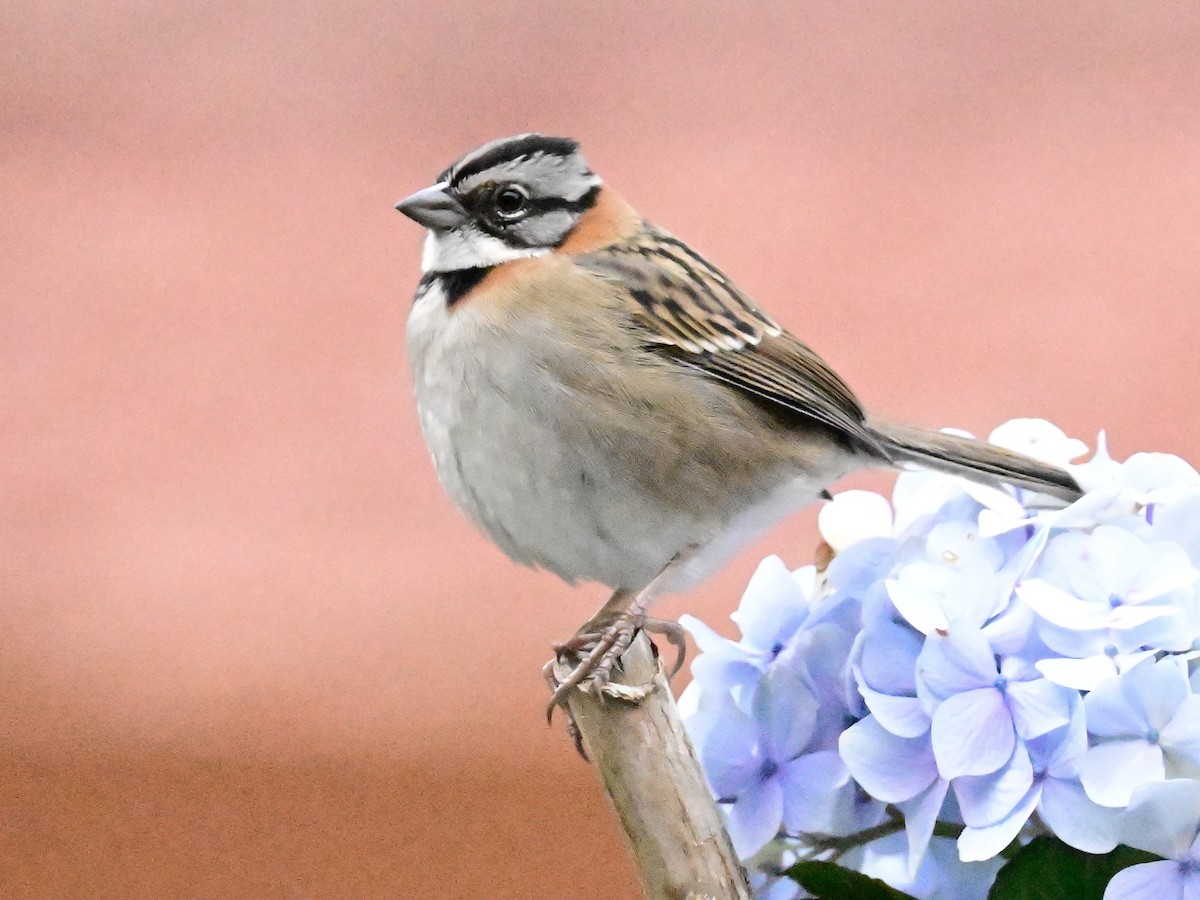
{"x": 974, "y": 667}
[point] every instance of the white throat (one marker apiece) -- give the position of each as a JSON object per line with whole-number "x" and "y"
{"x": 467, "y": 247}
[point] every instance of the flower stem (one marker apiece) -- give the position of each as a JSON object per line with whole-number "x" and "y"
{"x": 813, "y": 846}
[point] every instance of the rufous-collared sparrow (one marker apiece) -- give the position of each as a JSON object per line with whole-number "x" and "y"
{"x": 606, "y": 404}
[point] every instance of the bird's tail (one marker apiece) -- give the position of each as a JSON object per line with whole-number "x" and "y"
{"x": 977, "y": 460}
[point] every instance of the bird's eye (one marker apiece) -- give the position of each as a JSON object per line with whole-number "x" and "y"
{"x": 511, "y": 201}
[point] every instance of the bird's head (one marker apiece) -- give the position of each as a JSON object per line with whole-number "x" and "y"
{"x": 512, "y": 198}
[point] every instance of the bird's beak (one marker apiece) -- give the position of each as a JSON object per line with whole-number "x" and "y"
{"x": 434, "y": 207}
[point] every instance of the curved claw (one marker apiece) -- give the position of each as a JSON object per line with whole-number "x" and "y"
{"x": 572, "y": 728}
{"x": 552, "y": 680}
{"x": 674, "y": 634}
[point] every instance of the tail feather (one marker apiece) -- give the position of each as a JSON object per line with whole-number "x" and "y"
{"x": 969, "y": 458}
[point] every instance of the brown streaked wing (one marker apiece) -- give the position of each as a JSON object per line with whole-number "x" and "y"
{"x": 697, "y": 317}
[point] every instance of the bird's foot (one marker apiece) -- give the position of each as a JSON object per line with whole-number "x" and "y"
{"x": 587, "y": 660}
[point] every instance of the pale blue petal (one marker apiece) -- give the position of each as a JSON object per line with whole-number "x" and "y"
{"x": 788, "y": 711}
{"x": 1098, "y": 505}
{"x": 986, "y": 799}
{"x": 1060, "y": 753}
{"x": 1158, "y": 688}
{"x": 707, "y": 640}
{"x": 1176, "y": 631}
{"x": 1076, "y": 820}
{"x": 961, "y": 661}
{"x": 1008, "y": 633}
{"x": 889, "y": 768}
{"x": 902, "y": 716}
{"x": 1039, "y": 706}
{"x": 920, "y": 816}
{"x": 811, "y": 791}
{"x": 885, "y": 859}
{"x": 778, "y": 889}
{"x": 1115, "y": 556}
{"x": 888, "y": 658}
{"x": 772, "y": 607}
{"x": 859, "y": 566}
{"x": 818, "y": 656}
{"x": 979, "y": 843}
{"x": 1111, "y": 771}
{"x": 1109, "y": 710}
{"x": 949, "y": 878}
{"x": 1147, "y": 881}
{"x": 1180, "y": 523}
{"x": 755, "y": 817}
{"x": 718, "y": 672}
{"x": 1180, "y": 739}
{"x": 972, "y": 733}
{"x": 1017, "y": 668}
{"x": 1063, "y": 563}
{"x": 1071, "y": 642}
{"x": 919, "y": 493}
{"x": 730, "y": 754}
{"x": 1163, "y": 818}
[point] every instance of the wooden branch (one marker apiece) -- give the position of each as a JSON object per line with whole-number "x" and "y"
{"x": 651, "y": 775}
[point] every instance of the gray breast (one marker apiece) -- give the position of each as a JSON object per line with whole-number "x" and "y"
{"x": 582, "y": 470}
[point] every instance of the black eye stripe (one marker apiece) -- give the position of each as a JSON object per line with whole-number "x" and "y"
{"x": 481, "y": 202}
{"x": 578, "y": 205}
{"x": 511, "y": 231}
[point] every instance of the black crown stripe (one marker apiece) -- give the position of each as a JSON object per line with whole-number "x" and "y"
{"x": 510, "y": 149}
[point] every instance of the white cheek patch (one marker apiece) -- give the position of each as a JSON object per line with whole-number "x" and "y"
{"x": 469, "y": 248}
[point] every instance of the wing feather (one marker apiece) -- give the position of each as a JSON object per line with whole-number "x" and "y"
{"x": 693, "y": 314}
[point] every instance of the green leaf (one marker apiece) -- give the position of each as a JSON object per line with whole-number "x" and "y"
{"x": 829, "y": 881}
{"x": 1047, "y": 869}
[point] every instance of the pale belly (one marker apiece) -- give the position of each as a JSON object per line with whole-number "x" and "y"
{"x": 548, "y": 494}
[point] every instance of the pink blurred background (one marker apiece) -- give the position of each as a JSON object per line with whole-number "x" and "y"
{"x": 247, "y": 647}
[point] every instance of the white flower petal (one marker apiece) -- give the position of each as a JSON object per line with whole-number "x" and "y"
{"x": 1126, "y": 617}
{"x": 1038, "y": 438}
{"x": 1080, "y": 674}
{"x": 853, "y": 516}
{"x": 1060, "y": 608}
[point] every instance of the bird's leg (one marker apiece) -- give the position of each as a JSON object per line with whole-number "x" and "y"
{"x": 606, "y": 636}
